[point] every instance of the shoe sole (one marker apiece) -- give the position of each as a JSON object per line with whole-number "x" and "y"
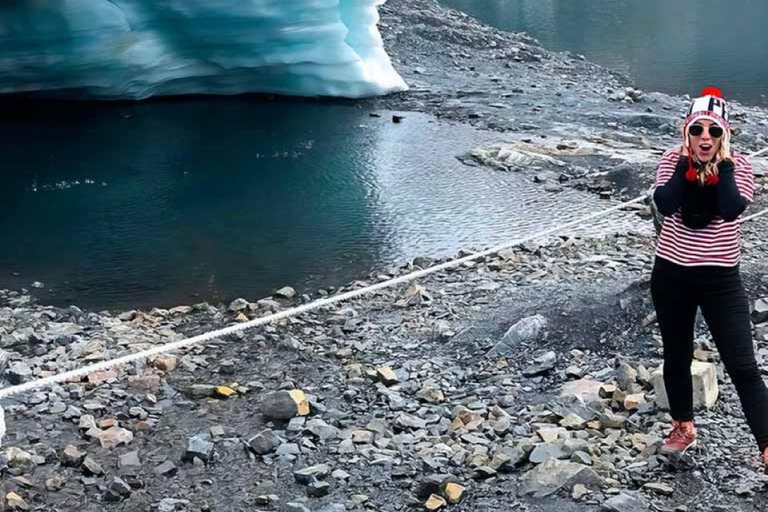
{"x": 662, "y": 451}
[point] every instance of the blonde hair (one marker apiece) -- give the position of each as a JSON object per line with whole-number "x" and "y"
{"x": 710, "y": 168}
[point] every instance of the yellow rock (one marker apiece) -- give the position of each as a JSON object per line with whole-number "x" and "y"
{"x": 387, "y": 376}
{"x": 301, "y": 401}
{"x": 454, "y": 492}
{"x": 16, "y": 502}
{"x": 241, "y": 318}
{"x": 435, "y": 502}
{"x": 225, "y": 391}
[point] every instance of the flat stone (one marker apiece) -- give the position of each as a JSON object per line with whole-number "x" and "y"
{"x": 91, "y": 467}
{"x": 114, "y": 436}
{"x": 387, "y": 376}
{"x": 544, "y": 451}
{"x": 318, "y": 489}
{"x": 309, "y": 474}
{"x": 453, "y": 492}
{"x": 541, "y": 365}
{"x": 167, "y": 468}
{"x": 435, "y": 502}
{"x": 586, "y": 389}
{"x": 705, "y": 388}
{"x": 659, "y": 488}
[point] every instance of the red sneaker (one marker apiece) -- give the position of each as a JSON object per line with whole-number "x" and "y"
{"x": 682, "y": 437}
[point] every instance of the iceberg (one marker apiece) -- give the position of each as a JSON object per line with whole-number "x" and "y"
{"x": 135, "y": 49}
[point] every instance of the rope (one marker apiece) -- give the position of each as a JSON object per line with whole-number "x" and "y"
{"x": 168, "y": 347}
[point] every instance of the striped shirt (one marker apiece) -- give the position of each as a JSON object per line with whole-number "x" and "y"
{"x": 717, "y": 244}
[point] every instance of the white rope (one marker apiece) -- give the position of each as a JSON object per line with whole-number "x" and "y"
{"x": 168, "y": 347}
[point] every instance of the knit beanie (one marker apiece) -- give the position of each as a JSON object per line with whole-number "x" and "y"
{"x": 710, "y": 105}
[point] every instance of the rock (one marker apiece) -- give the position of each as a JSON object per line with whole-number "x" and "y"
{"x": 386, "y": 376}
{"x": 129, "y": 463}
{"x": 405, "y": 421}
{"x": 435, "y": 502}
{"x": 225, "y": 391}
{"x": 579, "y": 491}
{"x": 318, "y": 489}
{"x": 197, "y": 391}
{"x": 16, "y": 502}
{"x": 553, "y": 474}
{"x": 607, "y": 390}
{"x": 626, "y": 502}
{"x": 114, "y": 436}
{"x": 659, "y": 488}
{"x": 284, "y": 405}
{"x": 164, "y": 363}
{"x": 71, "y": 456}
{"x": 118, "y": 490}
{"x": 633, "y": 402}
{"x": 587, "y": 390}
{"x": 760, "y": 311}
{"x": 173, "y": 505}
{"x": 18, "y": 373}
{"x": 55, "y": 482}
{"x": 541, "y": 364}
{"x": 625, "y": 376}
{"x": 611, "y": 420}
{"x": 705, "y": 389}
{"x": 431, "y": 395}
{"x": 545, "y": 451}
{"x": 91, "y": 467}
{"x": 525, "y": 331}
{"x": 453, "y": 492}
{"x": 312, "y": 473}
{"x": 237, "y": 305}
{"x": 264, "y": 442}
{"x": 286, "y": 292}
{"x": 199, "y": 447}
{"x": 167, "y": 468}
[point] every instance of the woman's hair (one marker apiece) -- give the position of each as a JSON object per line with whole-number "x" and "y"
{"x": 710, "y": 168}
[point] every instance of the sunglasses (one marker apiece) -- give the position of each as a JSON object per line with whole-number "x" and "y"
{"x": 714, "y": 130}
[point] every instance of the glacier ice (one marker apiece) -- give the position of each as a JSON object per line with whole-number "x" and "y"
{"x": 140, "y": 48}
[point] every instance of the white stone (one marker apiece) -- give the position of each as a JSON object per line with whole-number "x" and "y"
{"x": 705, "y": 390}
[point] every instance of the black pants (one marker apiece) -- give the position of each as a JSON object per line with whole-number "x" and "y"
{"x": 677, "y": 292}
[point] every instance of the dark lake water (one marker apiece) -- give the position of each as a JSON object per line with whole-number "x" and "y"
{"x": 167, "y": 203}
{"x": 672, "y": 46}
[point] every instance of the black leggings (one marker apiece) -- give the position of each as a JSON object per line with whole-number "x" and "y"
{"x": 677, "y": 292}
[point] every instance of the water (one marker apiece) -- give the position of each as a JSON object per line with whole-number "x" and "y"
{"x": 675, "y": 46}
{"x": 167, "y": 203}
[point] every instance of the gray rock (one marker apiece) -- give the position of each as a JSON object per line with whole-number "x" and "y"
{"x": 553, "y": 474}
{"x": 525, "y": 331}
{"x": 167, "y": 468}
{"x": 625, "y": 376}
{"x": 318, "y": 489}
{"x": 173, "y": 505}
{"x": 541, "y": 364}
{"x": 18, "y": 373}
{"x": 199, "y": 447}
{"x": 626, "y": 501}
{"x": 118, "y": 490}
{"x": 91, "y": 467}
{"x": 264, "y": 442}
{"x": 545, "y": 451}
{"x": 760, "y": 311}
{"x": 71, "y": 456}
{"x": 312, "y": 473}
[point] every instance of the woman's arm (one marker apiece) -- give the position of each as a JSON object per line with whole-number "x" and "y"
{"x": 730, "y": 202}
{"x": 669, "y": 195}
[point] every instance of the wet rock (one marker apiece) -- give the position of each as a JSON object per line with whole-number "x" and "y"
{"x": 705, "y": 388}
{"x": 284, "y": 405}
{"x": 199, "y": 447}
{"x": 286, "y": 292}
{"x": 237, "y": 305}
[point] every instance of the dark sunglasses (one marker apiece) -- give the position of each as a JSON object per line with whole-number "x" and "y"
{"x": 714, "y": 130}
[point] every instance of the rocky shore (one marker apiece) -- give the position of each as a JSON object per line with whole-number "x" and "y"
{"x": 523, "y": 381}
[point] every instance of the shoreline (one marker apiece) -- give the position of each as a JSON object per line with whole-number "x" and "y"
{"x": 449, "y": 410}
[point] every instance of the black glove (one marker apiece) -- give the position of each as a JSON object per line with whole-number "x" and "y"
{"x": 726, "y": 168}
{"x": 699, "y": 203}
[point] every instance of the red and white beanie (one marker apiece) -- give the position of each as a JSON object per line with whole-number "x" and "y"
{"x": 710, "y": 105}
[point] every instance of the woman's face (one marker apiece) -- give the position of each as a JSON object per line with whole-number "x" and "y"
{"x": 704, "y": 146}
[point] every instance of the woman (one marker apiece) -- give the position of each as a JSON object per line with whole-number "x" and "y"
{"x": 701, "y": 190}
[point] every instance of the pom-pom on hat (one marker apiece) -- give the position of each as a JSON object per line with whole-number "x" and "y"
{"x": 710, "y": 105}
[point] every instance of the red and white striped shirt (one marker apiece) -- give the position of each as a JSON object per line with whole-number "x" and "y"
{"x": 717, "y": 244}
